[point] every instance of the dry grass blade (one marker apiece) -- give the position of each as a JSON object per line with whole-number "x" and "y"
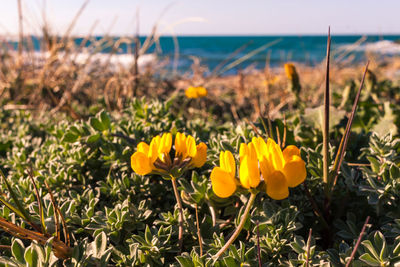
{"x": 325, "y": 130}
{"x": 247, "y": 56}
{"x": 254, "y": 127}
{"x": 225, "y": 61}
{"x": 61, "y": 250}
{"x": 264, "y": 125}
{"x": 57, "y": 211}
{"x": 345, "y": 138}
{"x": 39, "y": 200}
{"x": 278, "y": 136}
{"x": 21, "y": 32}
{"x": 73, "y": 22}
{"x": 353, "y": 253}
{"x": 284, "y": 132}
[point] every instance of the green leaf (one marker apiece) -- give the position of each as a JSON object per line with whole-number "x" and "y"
{"x": 69, "y": 137}
{"x": 314, "y": 116}
{"x": 31, "y": 257}
{"x": 17, "y": 250}
{"x": 93, "y": 138}
{"x": 105, "y": 119}
{"x": 230, "y": 261}
{"x": 184, "y": 262}
{"x": 147, "y": 235}
{"x": 368, "y": 245}
{"x": 100, "y": 244}
{"x": 368, "y": 259}
{"x": 96, "y": 124}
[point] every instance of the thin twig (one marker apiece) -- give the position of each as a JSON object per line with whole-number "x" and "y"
{"x": 278, "y": 136}
{"x": 39, "y": 200}
{"x": 56, "y": 219}
{"x": 198, "y": 231}
{"x": 353, "y": 253}
{"x": 253, "y": 126}
{"x": 359, "y": 164}
{"x": 284, "y": 132}
{"x": 57, "y": 210}
{"x": 239, "y": 227}
{"x": 180, "y": 207}
{"x": 308, "y": 247}
{"x": 345, "y": 138}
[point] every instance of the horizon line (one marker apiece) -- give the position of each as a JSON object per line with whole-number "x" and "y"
{"x": 218, "y": 35}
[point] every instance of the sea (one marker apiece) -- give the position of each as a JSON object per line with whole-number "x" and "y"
{"x": 227, "y": 55}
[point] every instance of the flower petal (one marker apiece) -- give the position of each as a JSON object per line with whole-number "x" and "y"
{"x": 260, "y": 147}
{"x": 223, "y": 184}
{"x": 165, "y": 143}
{"x": 275, "y": 155}
{"x": 140, "y": 163}
{"x": 243, "y": 151}
{"x": 295, "y": 171}
{"x": 249, "y": 172}
{"x": 277, "y": 187}
{"x": 180, "y": 143}
{"x": 191, "y": 148}
{"x": 201, "y": 155}
{"x": 143, "y": 147}
{"x": 227, "y": 162}
{"x": 153, "y": 149}
{"x": 290, "y": 151}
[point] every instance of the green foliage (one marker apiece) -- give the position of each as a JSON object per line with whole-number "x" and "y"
{"x": 118, "y": 218}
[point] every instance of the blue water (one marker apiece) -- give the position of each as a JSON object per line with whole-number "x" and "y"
{"x": 213, "y": 50}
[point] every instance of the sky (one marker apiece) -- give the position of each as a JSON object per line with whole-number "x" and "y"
{"x": 206, "y": 17}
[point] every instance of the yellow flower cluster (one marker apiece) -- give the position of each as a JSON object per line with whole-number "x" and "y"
{"x": 195, "y": 92}
{"x": 155, "y": 158}
{"x": 280, "y": 169}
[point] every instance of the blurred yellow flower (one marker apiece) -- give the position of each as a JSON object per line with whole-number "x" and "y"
{"x": 195, "y": 92}
{"x": 290, "y": 70}
{"x": 280, "y": 170}
{"x": 155, "y": 158}
{"x": 294, "y": 78}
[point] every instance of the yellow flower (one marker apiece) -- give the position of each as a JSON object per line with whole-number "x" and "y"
{"x": 280, "y": 170}
{"x": 195, "y": 92}
{"x": 155, "y": 158}
{"x": 201, "y": 91}
{"x": 290, "y": 70}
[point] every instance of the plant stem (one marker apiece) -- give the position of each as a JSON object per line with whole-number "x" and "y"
{"x": 353, "y": 253}
{"x": 180, "y": 207}
{"x": 198, "y": 231}
{"x": 239, "y": 228}
{"x": 325, "y": 131}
